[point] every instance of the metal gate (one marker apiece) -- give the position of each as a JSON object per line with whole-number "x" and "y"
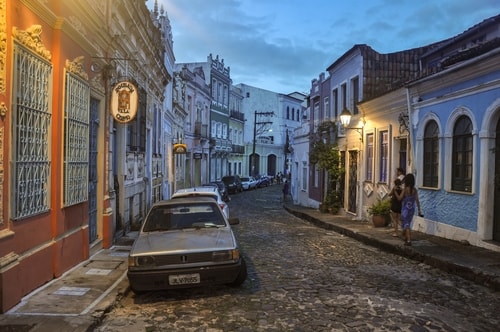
{"x": 353, "y": 182}
{"x": 94, "y": 126}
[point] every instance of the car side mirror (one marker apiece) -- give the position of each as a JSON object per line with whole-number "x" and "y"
{"x": 234, "y": 221}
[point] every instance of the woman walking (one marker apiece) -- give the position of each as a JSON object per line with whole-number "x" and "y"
{"x": 409, "y": 198}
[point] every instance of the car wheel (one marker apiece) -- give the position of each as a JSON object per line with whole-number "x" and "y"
{"x": 242, "y": 275}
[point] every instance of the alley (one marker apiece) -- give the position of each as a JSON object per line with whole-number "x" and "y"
{"x": 303, "y": 278}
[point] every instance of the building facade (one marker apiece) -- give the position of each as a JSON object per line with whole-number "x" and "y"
{"x": 72, "y": 178}
{"x": 271, "y": 117}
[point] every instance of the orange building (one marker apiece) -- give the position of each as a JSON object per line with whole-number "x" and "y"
{"x": 58, "y": 60}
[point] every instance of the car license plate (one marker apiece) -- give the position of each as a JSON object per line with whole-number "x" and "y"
{"x": 184, "y": 279}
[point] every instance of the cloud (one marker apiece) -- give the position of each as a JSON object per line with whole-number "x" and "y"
{"x": 281, "y": 45}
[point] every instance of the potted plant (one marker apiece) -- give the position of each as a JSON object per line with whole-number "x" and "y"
{"x": 380, "y": 212}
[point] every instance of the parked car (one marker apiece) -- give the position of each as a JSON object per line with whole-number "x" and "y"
{"x": 222, "y": 189}
{"x": 212, "y": 192}
{"x": 263, "y": 181}
{"x": 248, "y": 183}
{"x": 233, "y": 183}
{"x": 185, "y": 242}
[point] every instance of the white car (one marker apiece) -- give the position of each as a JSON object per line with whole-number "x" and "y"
{"x": 203, "y": 192}
{"x": 185, "y": 242}
{"x": 248, "y": 183}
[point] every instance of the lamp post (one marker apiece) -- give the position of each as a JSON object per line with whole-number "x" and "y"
{"x": 345, "y": 120}
{"x": 255, "y": 123}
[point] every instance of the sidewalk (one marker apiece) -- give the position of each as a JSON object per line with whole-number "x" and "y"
{"x": 79, "y": 299}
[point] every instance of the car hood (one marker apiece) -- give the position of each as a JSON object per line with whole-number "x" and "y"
{"x": 185, "y": 240}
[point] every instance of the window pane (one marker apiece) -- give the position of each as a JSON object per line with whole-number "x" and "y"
{"x": 431, "y": 153}
{"x": 462, "y": 155}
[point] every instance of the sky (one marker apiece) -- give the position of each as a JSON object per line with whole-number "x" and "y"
{"x": 282, "y": 45}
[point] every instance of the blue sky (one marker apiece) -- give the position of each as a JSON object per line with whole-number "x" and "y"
{"x": 281, "y": 45}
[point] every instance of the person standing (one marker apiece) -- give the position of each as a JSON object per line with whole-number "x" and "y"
{"x": 408, "y": 198}
{"x": 285, "y": 189}
{"x": 400, "y": 174}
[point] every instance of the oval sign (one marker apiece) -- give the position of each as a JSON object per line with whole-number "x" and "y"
{"x": 124, "y": 101}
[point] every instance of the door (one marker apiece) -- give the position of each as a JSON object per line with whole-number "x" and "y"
{"x": 93, "y": 129}
{"x": 352, "y": 196}
{"x": 496, "y": 211}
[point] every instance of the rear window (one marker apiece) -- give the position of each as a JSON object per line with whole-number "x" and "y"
{"x": 183, "y": 216}
{"x": 195, "y": 194}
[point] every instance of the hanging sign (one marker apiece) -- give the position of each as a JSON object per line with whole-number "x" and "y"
{"x": 124, "y": 101}
{"x": 180, "y": 148}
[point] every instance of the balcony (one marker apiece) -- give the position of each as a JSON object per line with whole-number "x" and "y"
{"x": 238, "y": 149}
{"x": 200, "y": 130}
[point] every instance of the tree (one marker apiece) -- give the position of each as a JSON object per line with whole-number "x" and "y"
{"x": 327, "y": 157}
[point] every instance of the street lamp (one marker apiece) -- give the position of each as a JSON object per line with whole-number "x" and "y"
{"x": 345, "y": 120}
{"x": 255, "y": 123}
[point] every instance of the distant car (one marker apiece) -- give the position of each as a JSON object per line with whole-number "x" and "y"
{"x": 185, "y": 242}
{"x": 263, "y": 181}
{"x": 222, "y": 189}
{"x": 248, "y": 183}
{"x": 233, "y": 183}
{"x": 212, "y": 192}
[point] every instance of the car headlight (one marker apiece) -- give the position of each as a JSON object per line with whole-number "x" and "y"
{"x": 228, "y": 255}
{"x": 141, "y": 261}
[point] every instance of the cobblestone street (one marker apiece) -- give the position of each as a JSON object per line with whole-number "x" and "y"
{"x": 304, "y": 278}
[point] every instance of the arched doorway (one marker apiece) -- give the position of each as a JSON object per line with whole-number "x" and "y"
{"x": 271, "y": 165}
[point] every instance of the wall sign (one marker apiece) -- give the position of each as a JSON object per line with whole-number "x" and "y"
{"x": 180, "y": 148}
{"x": 124, "y": 101}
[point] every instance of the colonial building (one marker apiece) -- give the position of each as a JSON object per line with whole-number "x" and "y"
{"x": 236, "y": 158}
{"x": 455, "y": 127}
{"x": 73, "y": 177}
{"x": 359, "y": 74}
{"x": 217, "y": 76}
{"x": 196, "y": 102}
{"x": 271, "y": 118}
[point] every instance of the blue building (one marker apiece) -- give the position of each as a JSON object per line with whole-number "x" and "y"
{"x": 454, "y": 116}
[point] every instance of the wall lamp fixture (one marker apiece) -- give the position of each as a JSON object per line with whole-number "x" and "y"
{"x": 345, "y": 120}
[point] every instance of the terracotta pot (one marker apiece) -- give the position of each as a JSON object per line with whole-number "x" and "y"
{"x": 379, "y": 221}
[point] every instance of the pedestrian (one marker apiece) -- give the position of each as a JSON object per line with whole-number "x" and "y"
{"x": 395, "y": 205}
{"x": 408, "y": 198}
{"x": 285, "y": 189}
{"x": 400, "y": 174}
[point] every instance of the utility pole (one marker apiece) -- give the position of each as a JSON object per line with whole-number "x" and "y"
{"x": 255, "y": 123}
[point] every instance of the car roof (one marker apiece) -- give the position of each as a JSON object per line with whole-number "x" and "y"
{"x": 197, "y": 189}
{"x": 184, "y": 200}
{"x": 194, "y": 191}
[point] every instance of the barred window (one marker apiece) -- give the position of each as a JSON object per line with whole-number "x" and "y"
{"x": 431, "y": 154}
{"x": 384, "y": 156}
{"x": 462, "y": 155}
{"x": 31, "y": 132}
{"x": 305, "y": 174}
{"x": 76, "y": 140}
{"x": 369, "y": 157}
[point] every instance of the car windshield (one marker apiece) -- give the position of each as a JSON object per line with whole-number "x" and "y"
{"x": 166, "y": 218}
